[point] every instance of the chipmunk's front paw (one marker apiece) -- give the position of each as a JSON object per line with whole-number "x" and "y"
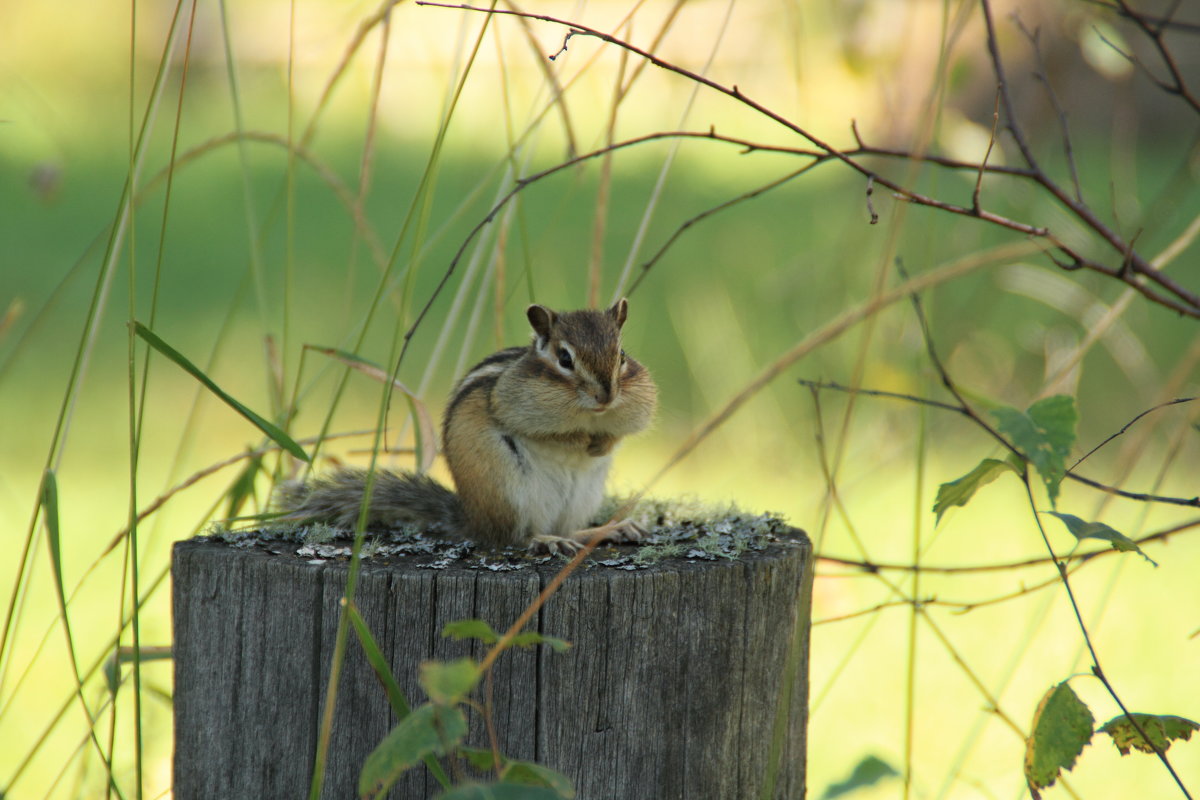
{"x": 625, "y": 532}
{"x": 600, "y": 444}
{"x": 555, "y": 545}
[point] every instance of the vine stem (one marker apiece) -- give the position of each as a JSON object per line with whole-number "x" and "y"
{"x": 1097, "y": 670}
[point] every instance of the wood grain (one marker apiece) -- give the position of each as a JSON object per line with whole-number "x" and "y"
{"x": 679, "y": 676}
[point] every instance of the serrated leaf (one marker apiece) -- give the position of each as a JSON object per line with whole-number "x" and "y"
{"x": 499, "y": 791}
{"x": 1082, "y": 529}
{"x": 428, "y": 730}
{"x": 425, "y": 431}
{"x": 448, "y": 682}
{"x": 524, "y": 773}
{"x": 471, "y": 629}
{"x": 1044, "y": 434}
{"x": 531, "y": 638}
{"x": 1161, "y": 729}
{"x": 958, "y": 492}
{"x": 867, "y": 772}
{"x": 273, "y": 431}
{"x": 1062, "y": 725}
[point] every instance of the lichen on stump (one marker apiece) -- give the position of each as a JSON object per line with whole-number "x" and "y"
{"x": 689, "y": 665}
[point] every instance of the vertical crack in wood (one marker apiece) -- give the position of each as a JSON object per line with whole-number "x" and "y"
{"x": 315, "y": 658}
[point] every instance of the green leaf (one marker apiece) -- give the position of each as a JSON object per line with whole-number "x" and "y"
{"x": 471, "y": 629}
{"x": 867, "y": 772}
{"x": 1161, "y": 729}
{"x": 428, "y": 730}
{"x": 50, "y": 509}
{"x": 448, "y": 682}
{"x": 378, "y": 663}
{"x": 269, "y": 428}
{"x": 243, "y": 488}
{"x": 500, "y": 791}
{"x": 531, "y": 638}
{"x": 958, "y": 492}
{"x": 1043, "y": 434}
{"x": 1062, "y": 725}
{"x": 524, "y": 773}
{"x": 395, "y": 694}
{"x": 481, "y": 758}
{"x": 1098, "y": 530}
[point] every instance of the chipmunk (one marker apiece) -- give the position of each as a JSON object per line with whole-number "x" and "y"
{"x": 528, "y": 435}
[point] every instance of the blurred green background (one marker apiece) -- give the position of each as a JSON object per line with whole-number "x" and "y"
{"x": 257, "y": 254}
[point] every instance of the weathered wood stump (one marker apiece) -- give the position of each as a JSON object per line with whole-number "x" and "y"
{"x": 682, "y": 675}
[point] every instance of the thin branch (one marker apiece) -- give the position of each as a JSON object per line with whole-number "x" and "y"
{"x": 870, "y": 191}
{"x": 1087, "y": 640}
{"x": 1155, "y": 32}
{"x": 1080, "y": 558}
{"x": 1010, "y": 117}
{"x": 837, "y": 387}
{"x": 1184, "y": 301}
{"x": 1161, "y": 23}
{"x": 1129, "y": 424}
{"x": 687, "y": 224}
{"x": 1034, "y": 38}
{"x": 966, "y": 411}
{"x": 987, "y": 154}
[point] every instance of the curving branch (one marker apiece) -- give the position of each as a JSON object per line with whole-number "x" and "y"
{"x": 1131, "y": 268}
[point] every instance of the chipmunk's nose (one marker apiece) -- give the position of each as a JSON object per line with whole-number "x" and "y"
{"x": 604, "y": 393}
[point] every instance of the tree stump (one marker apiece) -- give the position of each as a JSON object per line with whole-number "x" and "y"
{"x": 688, "y": 677}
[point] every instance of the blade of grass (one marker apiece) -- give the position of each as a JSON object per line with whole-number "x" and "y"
{"x": 384, "y": 672}
{"x": 269, "y": 428}
{"x": 49, "y": 500}
{"x": 6, "y": 791}
{"x": 423, "y": 200}
{"x": 252, "y": 224}
{"x": 89, "y": 335}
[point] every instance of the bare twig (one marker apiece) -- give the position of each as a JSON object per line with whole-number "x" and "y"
{"x": 966, "y": 411}
{"x": 1144, "y": 278}
{"x": 1155, "y": 31}
{"x": 970, "y": 569}
{"x": 1010, "y": 117}
{"x": 1163, "y": 23}
{"x": 687, "y": 224}
{"x": 986, "y": 155}
{"x": 1034, "y": 38}
{"x": 1129, "y": 423}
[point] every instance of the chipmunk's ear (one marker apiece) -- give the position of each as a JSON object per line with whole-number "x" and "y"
{"x": 619, "y": 311}
{"x": 542, "y": 320}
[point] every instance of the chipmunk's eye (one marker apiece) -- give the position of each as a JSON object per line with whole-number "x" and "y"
{"x": 622, "y": 356}
{"x": 564, "y": 358}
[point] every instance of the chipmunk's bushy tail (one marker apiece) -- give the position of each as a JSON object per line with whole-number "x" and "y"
{"x": 335, "y": 498}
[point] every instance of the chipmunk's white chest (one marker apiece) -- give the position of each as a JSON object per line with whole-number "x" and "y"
{"x": 561, "y": 487}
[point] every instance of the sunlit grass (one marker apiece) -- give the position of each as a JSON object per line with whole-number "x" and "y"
{"x": 731, "y": 296}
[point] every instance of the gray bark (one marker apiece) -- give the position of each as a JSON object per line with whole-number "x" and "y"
{"x": 680, "y": 679}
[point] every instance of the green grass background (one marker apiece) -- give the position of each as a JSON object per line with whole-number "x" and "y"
{"x": 729, "y": 297}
